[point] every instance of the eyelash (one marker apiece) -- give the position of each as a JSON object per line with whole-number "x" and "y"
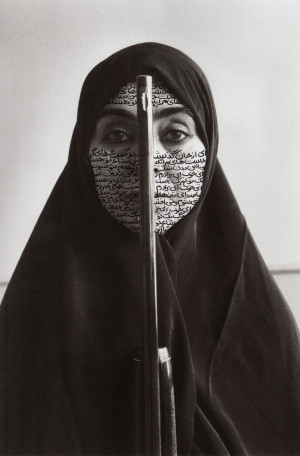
{"x": 164, "y": 138}
{"x": 175, "y": 141}
{"x": 107, "y": 138}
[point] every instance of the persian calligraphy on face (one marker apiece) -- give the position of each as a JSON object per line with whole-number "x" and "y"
{"x": 179, "y": 158}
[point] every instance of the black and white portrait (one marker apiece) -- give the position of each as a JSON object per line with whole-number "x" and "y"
{"x": 87, "y": 366}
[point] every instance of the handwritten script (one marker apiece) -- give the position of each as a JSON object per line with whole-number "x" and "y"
{"x": 178, "y": 170}
{"x": 178, "y": 184}
{"x": 160, "y": 95}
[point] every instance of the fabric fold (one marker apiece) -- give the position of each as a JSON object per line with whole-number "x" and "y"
{"x": 71, "y": 315}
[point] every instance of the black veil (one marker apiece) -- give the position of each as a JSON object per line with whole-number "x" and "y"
{"x": 70, "y": 318}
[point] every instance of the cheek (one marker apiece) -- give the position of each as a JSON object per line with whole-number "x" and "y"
{"x": 113, "y": 158}
{"x": 115, "y": 169}
{"x": 185, "y": 173}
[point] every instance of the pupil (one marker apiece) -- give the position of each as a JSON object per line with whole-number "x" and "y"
{"x": 118, "y": 135}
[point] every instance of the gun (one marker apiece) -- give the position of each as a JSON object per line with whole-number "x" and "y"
{"x": 154, "y": 388}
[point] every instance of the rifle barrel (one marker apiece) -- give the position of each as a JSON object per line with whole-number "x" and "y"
{"x": 150, "y": 356}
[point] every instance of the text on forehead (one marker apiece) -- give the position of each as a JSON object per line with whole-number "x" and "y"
{"x": 160, "y": 95}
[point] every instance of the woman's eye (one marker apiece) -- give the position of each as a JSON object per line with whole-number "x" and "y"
{"x": 118, "y": 136}
{"x": 175, "y": 136}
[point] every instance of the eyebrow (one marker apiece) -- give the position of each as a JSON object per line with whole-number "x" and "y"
{"x": 159, "y": 114}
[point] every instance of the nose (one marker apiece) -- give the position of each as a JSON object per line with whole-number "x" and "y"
{"x": 158, "y": 161}
{"x": 159, "y": 156}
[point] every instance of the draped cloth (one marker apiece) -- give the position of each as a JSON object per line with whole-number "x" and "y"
{"x": 71, "y": 315}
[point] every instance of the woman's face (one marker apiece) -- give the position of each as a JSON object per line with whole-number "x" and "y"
{"x": 179, "y": 158}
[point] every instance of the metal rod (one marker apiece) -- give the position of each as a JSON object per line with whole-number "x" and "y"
{"x": 169, "y": 439}
{"x": 150, "y": 358}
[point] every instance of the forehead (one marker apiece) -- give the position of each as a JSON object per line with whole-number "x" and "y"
{"x": 161, "y": 95}
{"x": 165, "y": 104}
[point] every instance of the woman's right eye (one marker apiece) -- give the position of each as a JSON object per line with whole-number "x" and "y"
{"x": 117, "y": 136}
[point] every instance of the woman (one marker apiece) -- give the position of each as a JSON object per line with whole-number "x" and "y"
{"x": 71, "y": 314}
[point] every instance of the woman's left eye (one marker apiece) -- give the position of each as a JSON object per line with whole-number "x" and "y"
{"x": 175, "y": 136}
